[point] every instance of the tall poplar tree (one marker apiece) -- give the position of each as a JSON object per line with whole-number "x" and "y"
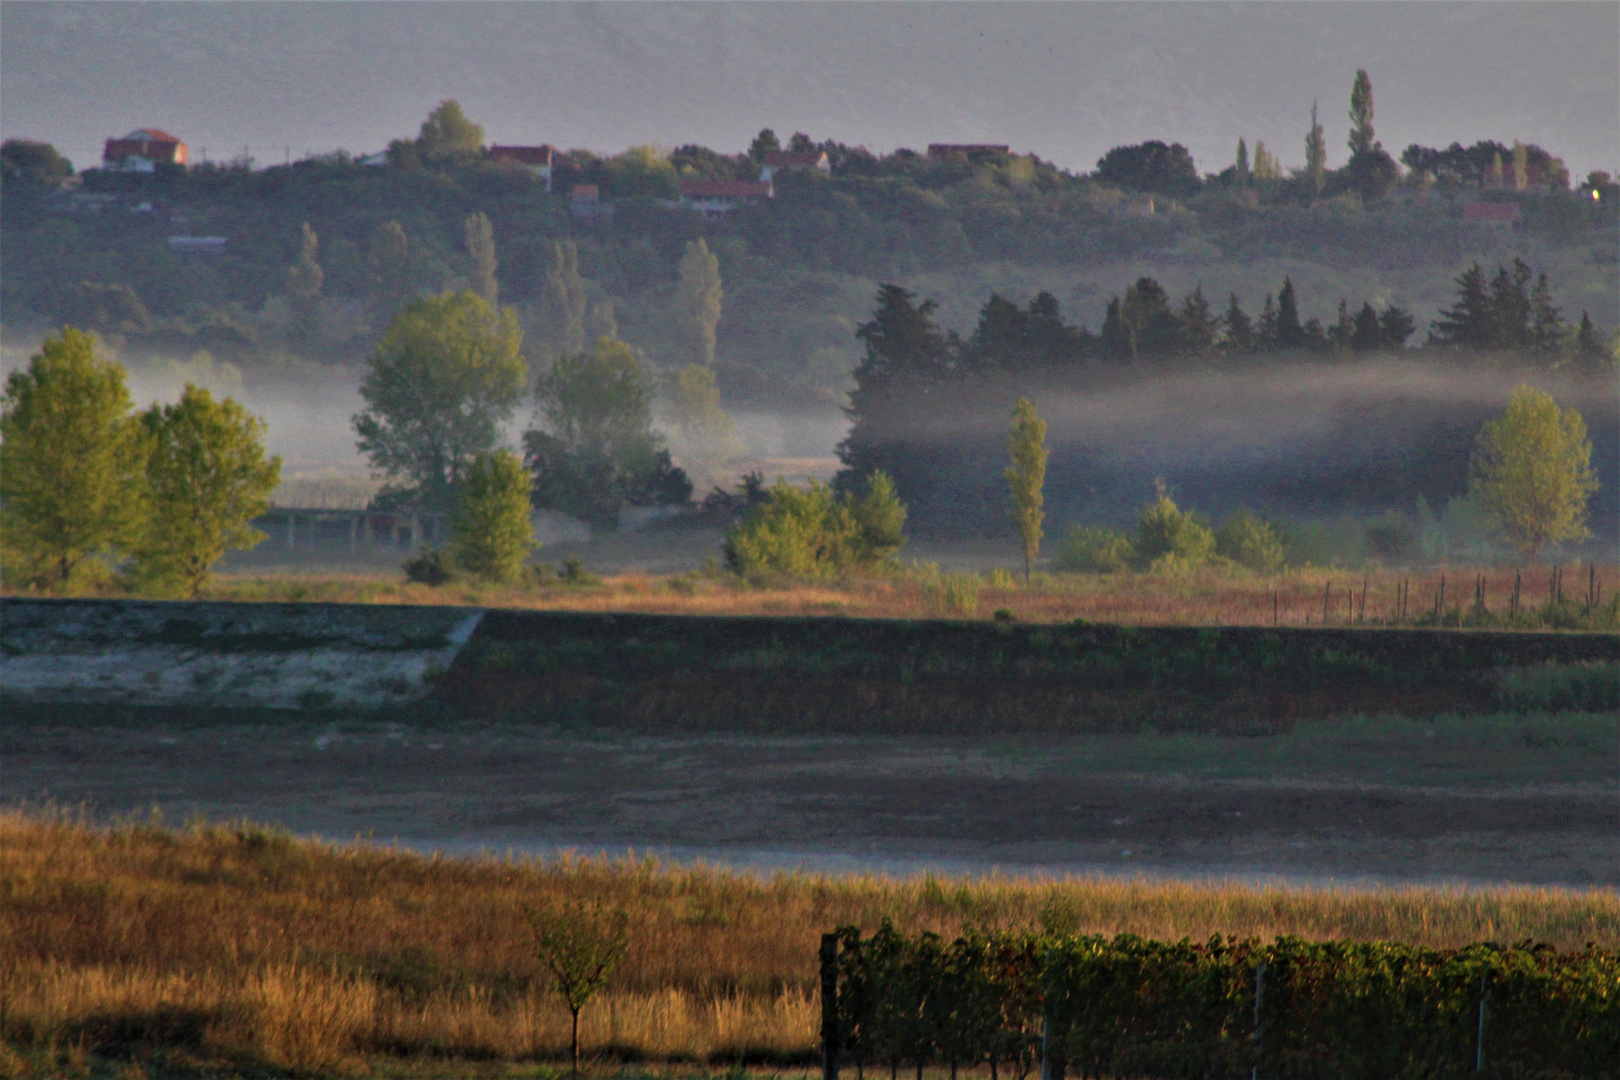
{"x": 1316, "y": 153}
{"x": 562, "y": 300}
{"x": 698, "y": 295}
{"x": 1026, "y": 477}
{"x": 388, "y": 267}
{"x": 479, "y": 237}
{"x": 1361, "y": 114}
{"x": 304, "y": 280}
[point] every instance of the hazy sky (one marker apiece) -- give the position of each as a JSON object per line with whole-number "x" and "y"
{"x": 1066, "y": 81}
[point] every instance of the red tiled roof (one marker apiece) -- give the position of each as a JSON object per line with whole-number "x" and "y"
{"x": 1491, "y": 212}
{"x": 725, "y": 189}
{"x": 150, "y": 135}
{"x": 527, "y": 155}
{"x": 805, "y": 159}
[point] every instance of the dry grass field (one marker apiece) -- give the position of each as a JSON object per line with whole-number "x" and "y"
{"x": 220, "y": 949}
{"x": 1312, "y": 597}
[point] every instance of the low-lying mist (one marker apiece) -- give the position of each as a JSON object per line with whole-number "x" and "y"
{"x": 1310, "y": 440}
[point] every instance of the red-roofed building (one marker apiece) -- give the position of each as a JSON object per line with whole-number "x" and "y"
{"x": 777, "y": 160}
{"x": 945, "y": 150}
{"x": 715, "y": 198}
{"x": 143, "y": 150}
{"x": 537, "y": 159}
{"x": 1493, "y": 215}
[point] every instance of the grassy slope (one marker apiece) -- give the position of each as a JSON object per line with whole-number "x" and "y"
{"x": 236, "y": 946}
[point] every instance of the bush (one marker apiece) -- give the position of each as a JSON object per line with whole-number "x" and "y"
{"x": 491, "y": 532}
{"x": 1250, "y": 543}
{"x": 952, "y": 594}
{"x": 1092, "y": 550}
{"x": 431, "y": 566}
{"x": 810, "y": 532}
{"x": 1168, "y": 540}
{"x": 1392, "y": 538}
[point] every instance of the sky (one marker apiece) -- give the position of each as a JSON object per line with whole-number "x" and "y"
{"x": 1066, "y": 81}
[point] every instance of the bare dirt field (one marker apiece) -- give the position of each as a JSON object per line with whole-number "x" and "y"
{"x": 1469, "y": 800}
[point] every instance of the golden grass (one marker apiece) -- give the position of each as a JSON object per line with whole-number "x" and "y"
{"x": 1213, "y": 598}
{"x": 239, "y": 945}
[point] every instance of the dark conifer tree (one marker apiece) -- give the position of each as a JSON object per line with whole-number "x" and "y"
{"x": 1343, "y": 328}
{"x": 1200, "y": 329}
{"x": 1265, "y": 334}
{"x": 1470, "y": 322}
{"x": 1117, "y": 342}
{"x": 1546, "y": 321}
{"x": 1146, "y": 310}
{"x": 1395, "y": 325}
{"x": 1289, "y": 333}
{"x": 1587, "y": 342}
{"x": 1239, "y": 327}
{"x": 1366, "y": 333}
{"x": 1511, "y": 323}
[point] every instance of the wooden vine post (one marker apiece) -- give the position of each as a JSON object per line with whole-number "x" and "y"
{"x": 829, "y": 1007}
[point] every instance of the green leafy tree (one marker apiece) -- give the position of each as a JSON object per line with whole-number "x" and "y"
{"x": 107, "y": 309}
{"x": 27, "y": 159}
{"x": 447, "y": 134}
{"x": 480, "y": 242}
{"x": 698, "y": 295}
{"x": 563, "y": 306}
{"x": 1266, "y": 165}
{"x": 595, "y": 451}
{"x": 707, "y": 433}
{"x": 304, "y": 280}
{"x": 1169, "y": 540}
{"x": 1361, "y": 114}
{"x": 813, "y": 532}
{"x": 1241, "y": 166}
{"x": 1315, "y": 153}
{"x": 1251, "y": 543}
{"x": 580, "y": 944}
{"x": 491, "y": 531}
{"x": 1094, "y": 550}
{"x": 388, "y": 269}
{"x": 209, "y": 478}
{"x": 72, "y": 463}
{"x": 764, "y": 144}
{"x": 1026, "y": 478}
{"x": 643, "y": 172}
{"x": 446, "y": 374}
{"x": 1532, "y": 473}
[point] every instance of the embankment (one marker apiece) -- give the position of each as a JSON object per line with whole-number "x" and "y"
{"x": 786, "y": 675}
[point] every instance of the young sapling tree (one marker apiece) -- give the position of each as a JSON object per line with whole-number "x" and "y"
{"x": 580, "y": 943}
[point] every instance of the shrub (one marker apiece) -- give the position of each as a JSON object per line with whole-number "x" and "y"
{"x": 1092, "y": 550}
{"x": 810, "y": 532}
{"x": 1169, "y": 540}
{"x": 1392, "y": 538}
{"x": 431, "y": 566}
{"x": 953, "y": 594}
{"x": 491, "y": 532}
{"x": 1250, "y": 543}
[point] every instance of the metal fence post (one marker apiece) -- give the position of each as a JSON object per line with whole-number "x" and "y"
{"x": 829, "y": 1007}
{"x": 1479, "y": 1039}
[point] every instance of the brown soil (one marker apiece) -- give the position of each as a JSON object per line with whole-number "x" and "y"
{"x": 1024, "y": 805}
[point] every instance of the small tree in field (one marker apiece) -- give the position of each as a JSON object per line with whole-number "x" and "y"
{"x": 580, "y": 944}
{"x": 1532, "y": 472}
{"x": 72, "y": 462}
{"x": 491, "y": 530}
{"x": 209, "y": 478}
{"x": 1026, "y": 476}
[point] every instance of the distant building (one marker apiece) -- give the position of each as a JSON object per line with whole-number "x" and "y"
{"x": 1504, "y": 216}
{"x": 585, "y": 203}
{"x": 716, "y": 198}
{"x": 537, "y": 159}
{"x": 373, "y": 160}
{"x": 938, "y": 151}
{"x": 143, "y": 150}
{"x": 778, "y": 160}
{"x": 1142, "y": 206}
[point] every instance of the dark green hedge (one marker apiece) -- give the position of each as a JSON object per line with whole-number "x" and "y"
{"x": 1225, "y": 1008}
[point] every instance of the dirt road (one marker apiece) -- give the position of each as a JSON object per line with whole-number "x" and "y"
{"x": 1352, "y": 804}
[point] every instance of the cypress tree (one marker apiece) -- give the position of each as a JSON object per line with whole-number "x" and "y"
{"x": 1361, "y": 114}
{"x": 1200, "y": 329}
{"x": 1266, "y": 329}
{"x": 1118, "y": 342}
{"x": 1242, "y": 166}
{"x": 1315, "y": 153}
{"x": 1290, "y": 334}
{"x": 1239, "y": 327}
{"x": 1547, "y": 328}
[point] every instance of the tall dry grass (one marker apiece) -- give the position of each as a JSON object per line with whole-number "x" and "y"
{"x": 1213, "y": 598}
{"x": 244, "y": 946}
